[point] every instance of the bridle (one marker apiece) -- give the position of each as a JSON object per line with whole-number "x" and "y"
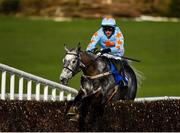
{"x": 81, "y": 64}
{"x": 76, "y": 70}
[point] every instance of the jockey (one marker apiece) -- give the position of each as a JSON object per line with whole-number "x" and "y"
{"x": 110, "y": 38}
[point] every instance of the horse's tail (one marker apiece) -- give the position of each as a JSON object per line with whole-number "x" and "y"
{"x": 139, "y": 75}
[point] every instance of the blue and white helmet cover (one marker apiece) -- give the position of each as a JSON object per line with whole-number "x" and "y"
{"x": 108, "y": 21}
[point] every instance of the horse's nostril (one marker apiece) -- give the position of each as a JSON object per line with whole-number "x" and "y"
{"x": 63, "y": 81}
{"x": 61, "y": 78}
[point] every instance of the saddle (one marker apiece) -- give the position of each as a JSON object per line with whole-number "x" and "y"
{"x": 117, "y": 61}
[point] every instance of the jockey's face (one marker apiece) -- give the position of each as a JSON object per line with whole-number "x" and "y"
{"x": 108, "y": 30}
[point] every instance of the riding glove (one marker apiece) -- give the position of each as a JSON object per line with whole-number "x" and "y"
{"x": 106, "y": 50}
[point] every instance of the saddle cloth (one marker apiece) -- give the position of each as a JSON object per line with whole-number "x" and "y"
{"x": 117, "y": 76}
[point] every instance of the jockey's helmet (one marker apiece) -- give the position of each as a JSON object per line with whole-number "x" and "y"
{"x": 108, "y": 24}
{"x": 108, "y": 21}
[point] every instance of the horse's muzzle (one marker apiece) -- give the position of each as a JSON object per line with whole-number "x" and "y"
{"x": 64, "y": 81}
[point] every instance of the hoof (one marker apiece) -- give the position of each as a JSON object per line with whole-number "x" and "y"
{"x": 72, "y": 111}
{"x": 74, "y": 118}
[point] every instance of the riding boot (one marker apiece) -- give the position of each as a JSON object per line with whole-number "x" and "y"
{"x": 123, "y": 85}
{"x": 125, "y": 81}
{"x": 122, "y": 73}
{"x": 123, "y": 90}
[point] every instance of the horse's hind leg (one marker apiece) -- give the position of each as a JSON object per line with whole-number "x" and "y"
{"x": 122, "y": 92}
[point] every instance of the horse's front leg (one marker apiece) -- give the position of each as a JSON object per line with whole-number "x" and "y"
{"x": 73, "y": 106}
{"x": 83, "y": 111}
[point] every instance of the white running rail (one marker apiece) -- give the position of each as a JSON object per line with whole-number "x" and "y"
{"x": 41, "y": 87}
{"x": 149, "y": 99}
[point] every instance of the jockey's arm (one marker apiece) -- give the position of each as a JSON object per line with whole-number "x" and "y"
{"x": 119, "y": 44}
{"x": 94, "y": 40}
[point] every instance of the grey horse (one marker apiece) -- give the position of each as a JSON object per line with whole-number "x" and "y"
{"x": 98, "y": 86}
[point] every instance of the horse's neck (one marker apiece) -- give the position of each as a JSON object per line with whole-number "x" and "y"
{"x": 89, "y": 61}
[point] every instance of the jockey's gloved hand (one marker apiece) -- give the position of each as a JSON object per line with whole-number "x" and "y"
{"x": 95, "y": 51}
{"x": 106, "y": 50}
{"x": 89, "y": 51}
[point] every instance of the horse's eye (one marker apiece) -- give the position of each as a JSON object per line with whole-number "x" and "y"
{"x": 73, "y": 61}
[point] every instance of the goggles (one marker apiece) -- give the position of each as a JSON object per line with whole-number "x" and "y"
{"x": 108, "y": 28}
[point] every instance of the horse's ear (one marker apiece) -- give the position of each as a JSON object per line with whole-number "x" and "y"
{"x": 67, "y": 50}
{"x": 79, "y": 46}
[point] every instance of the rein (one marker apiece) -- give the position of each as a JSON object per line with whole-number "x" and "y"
{"x": 98, "y": 76}
{"x": 86, "y": 66}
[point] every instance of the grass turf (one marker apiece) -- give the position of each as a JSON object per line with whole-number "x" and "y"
{"x": 37, "y": 47}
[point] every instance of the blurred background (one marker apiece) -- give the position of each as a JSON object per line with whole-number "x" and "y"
{"x": 90, "y": 8}
{"x": 33, "y": 33}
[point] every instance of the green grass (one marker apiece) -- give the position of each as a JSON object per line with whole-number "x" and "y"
{"x": 37, "y": 47}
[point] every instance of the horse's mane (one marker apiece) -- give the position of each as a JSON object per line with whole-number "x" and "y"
{"x": 91, "y": 55}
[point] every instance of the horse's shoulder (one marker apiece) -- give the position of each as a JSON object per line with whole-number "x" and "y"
{"x": 105, "y": 59}
{"x": 112, "y": 60}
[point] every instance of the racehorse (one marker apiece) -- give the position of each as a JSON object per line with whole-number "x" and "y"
{"x": 98, "y": 86}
